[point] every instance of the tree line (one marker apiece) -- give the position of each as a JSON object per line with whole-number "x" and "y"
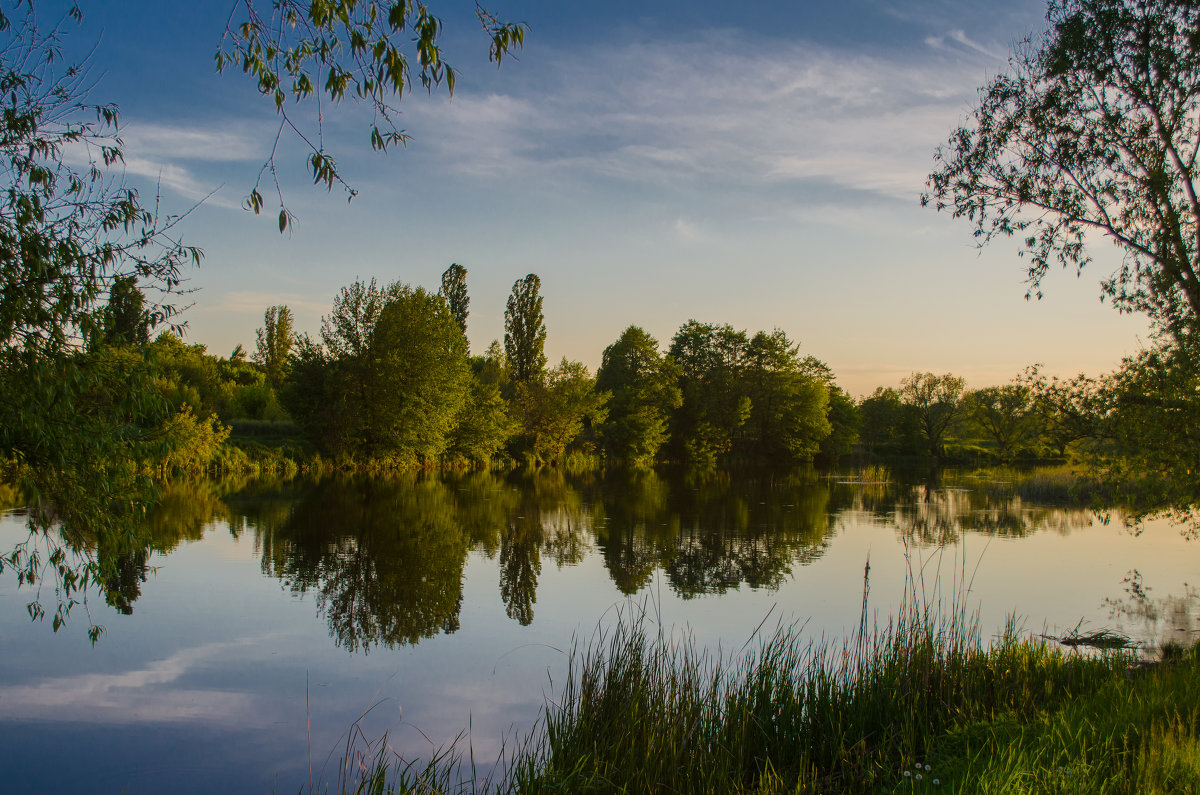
{"x": 389, "y": 380}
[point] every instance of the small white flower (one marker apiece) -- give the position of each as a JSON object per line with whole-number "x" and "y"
{"x": 907, "y": 773}
{"x": 929, "y": 767}
{"x": 936, "y": 782}
{"x": 918, "y": 777}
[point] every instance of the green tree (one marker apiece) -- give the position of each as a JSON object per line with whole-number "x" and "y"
{"x": 1004, "y": 413}
{"x": 936, "y": 401}
{"x": 350, "y": 385}
{"x": 644, "y": 390}
{"x": 274, "y": 343}
{"x": 557, "y": 409}
{"x": 1093, "y": 130}
{"x": 421, "y": 376}
{"x": 887, "y": 424}
{"x": 788, "y": 408}
{"x": 125, "y": 320}
{"x": 715, "y": 404}
{"x": 454, "y": 291}
{"x": 485, "y": 423}
{"x": 389, "y": 380}
{"x": 1066, "y": 411}
{"x": 525, "y": 331}
{"x": 844, "y": 422}
{"x": 79, "y": 425}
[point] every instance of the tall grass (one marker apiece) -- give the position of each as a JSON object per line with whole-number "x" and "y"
{"x": 646, "y": 711}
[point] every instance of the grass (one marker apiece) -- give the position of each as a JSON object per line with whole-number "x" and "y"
{"x": 646, "y": 712}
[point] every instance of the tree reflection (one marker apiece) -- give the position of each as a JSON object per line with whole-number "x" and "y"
{"x": 384, "y": 557}
{"x": 711, "y": 531}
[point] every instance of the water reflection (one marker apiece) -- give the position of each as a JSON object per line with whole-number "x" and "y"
{"x": 383, "y": 557}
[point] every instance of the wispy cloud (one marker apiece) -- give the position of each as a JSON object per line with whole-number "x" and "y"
{"x": 180, "y": 158}
{"x": 719, "y": 108}
{"x": 960, "y": 37}
{"x": 143, "y": 695}
{"x": 253, "y": 302}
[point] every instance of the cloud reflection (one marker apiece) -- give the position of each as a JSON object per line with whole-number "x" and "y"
{"x": 143, "y": 695}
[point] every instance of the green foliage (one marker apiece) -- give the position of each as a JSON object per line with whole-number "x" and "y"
{"x": 228, "y": 388}
{"x": 920, "y": 705}
{"x": 643, "y": 389}
{"x": 420, "y": 376}
{"x": 886, "y": 424}
{"x": 557, "y": 409}
{"x": 714, "y": 403}
{"x": 125, "y": 320}
{"x": 81, "y": 426}
{"x": 1094, "y": 129}
{"x": 936, "y": 401}
{"x": 454, "y": 291}
{"x": 389, "y": 381}
{"x": 274, "y": 342}
{"x": 844, "y": 422}
{"x": 1066, "y": 411}
{"x": 1147, "y": 415}
{"x": 525, "y": 331}
{"x": 361, "y": 50}
{"x": 788, "y": 407}
{"x": 1005, "y": 413}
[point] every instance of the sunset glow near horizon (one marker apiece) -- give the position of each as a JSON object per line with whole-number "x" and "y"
{"x": 652, "y": 163}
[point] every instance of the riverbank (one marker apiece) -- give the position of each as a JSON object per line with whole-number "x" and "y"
{"x": 922, "y": 705}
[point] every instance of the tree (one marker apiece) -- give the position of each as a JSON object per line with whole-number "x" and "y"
{"x": 936, "y": 400}
{"x": 715, "y": 404}
{"x": 1066, "y": 411}
{"x": 788, "y": 407}
{"x": 644, "y": 390}
{"x": 844, "y": 421}
{"x": 78, "y": 424}
{"x": 274, "y": 344}
{"x": 125, "y": 320}
{"x": 356, "y": 49}
{"x": 454, "y": 291}
{"x": 421, "y": 376}
{"x": 887, "y": 424}
{"x": 557, "y": 409}
{"x": 389, "y": 379}
{"x": 1002, "y": 413}
{"x": 1005, "y": 413}
{"x": 525, "y": 331}
{"x": 1094, "y": 130}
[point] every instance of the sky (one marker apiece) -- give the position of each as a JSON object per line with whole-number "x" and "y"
{"x": 653, "y": 162}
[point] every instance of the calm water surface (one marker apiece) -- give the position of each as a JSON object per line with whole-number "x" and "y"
{"x": 268, "y": 617}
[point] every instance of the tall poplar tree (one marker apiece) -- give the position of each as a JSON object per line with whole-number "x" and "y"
{"x": 525, "y": 331}
{"x": 454, "y": 291}
{"x": 274, "y": 343}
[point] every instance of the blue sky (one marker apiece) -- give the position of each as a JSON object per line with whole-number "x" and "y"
{"x": 757, "y": 164}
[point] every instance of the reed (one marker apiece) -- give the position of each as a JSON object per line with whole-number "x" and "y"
{"x": 918, "y": 704}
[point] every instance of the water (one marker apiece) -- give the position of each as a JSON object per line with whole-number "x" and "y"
{"x": 267, "y": 620}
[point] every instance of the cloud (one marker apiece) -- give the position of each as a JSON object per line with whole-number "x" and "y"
{"x": 721, "y": 108}
{"x": 171, "y": 155}
{"x": 254, "y": 302}
{"x": 960, "y": 37}
{"x": 185, "y": 142}
{"x": 144, "y": 695}
{"x": 690, "y": 232}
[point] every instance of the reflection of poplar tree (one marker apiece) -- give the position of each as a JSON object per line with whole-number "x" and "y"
{"x": 520, "y": 565}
